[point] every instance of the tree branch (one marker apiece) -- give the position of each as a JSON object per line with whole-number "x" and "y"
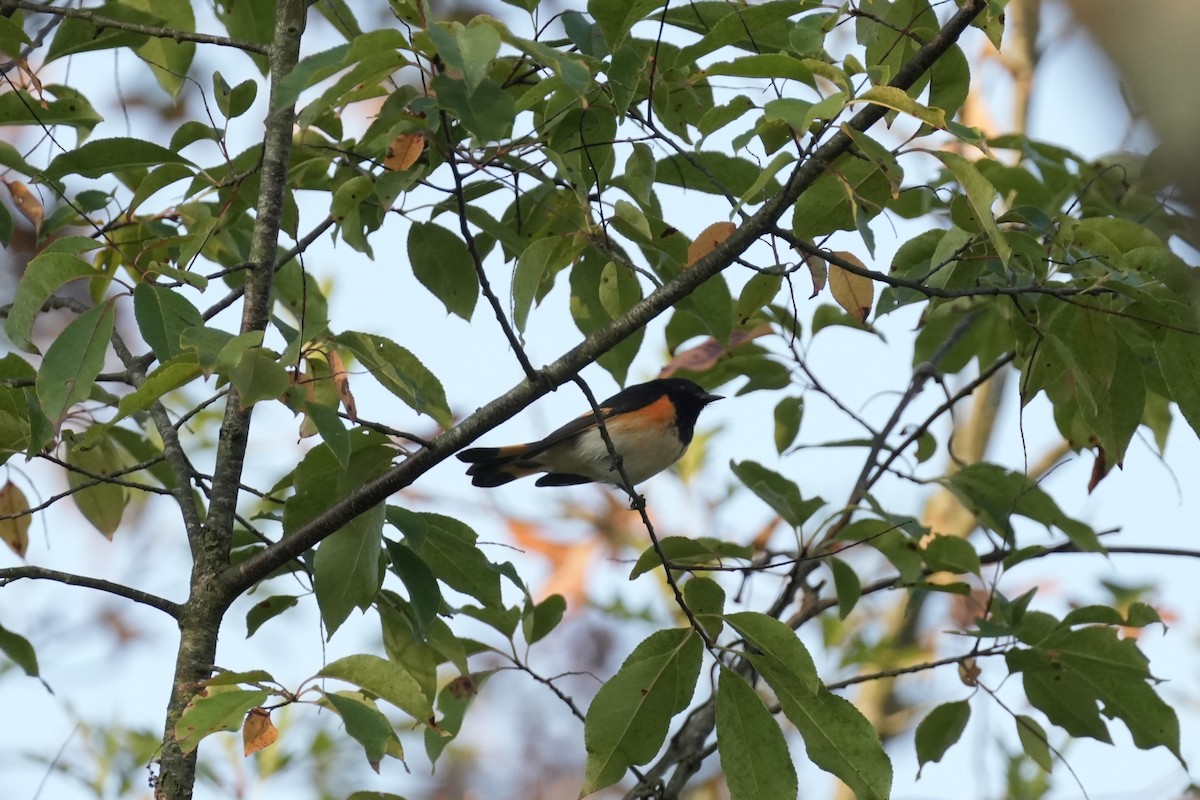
{"x": 155, "y": 31}
{"x": 11, "y": 574}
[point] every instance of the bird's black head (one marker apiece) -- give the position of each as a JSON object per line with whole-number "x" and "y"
{"x": 689, "y": 399}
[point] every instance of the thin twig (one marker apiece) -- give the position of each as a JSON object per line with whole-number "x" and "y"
{"x": 11, "y": 574}
{"x": 101, "y": 22}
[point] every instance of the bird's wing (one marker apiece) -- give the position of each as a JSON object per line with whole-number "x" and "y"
{"x": 567, "y": 432}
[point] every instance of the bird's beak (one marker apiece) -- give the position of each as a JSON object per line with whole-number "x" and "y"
{"x": 711, "y": 398}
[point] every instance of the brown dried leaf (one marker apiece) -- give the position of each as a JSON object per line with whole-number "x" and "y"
{"x": 341, "y": 379}
{"x": 853, "y": 292}
{"x": 708, "y": 240}
{"x": 705, "y": 355}
{"x": 969, "y": 672}
{"x": 462, "y": 687}
{"x": 14, "y": 519}
{"x": 23, "y": 65}
{"x": 404, "y": 151}
{"x": 820, "y": 274}
{"x": 27, "y": 203}
{"x": 258, "y": 731}
{"x": 1099, "y": 469}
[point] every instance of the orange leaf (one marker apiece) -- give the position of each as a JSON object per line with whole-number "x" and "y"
{"x": 404, "y": 151}
{"x": 28, "y": 204}
{"x": 708, "y": 240}
{"x": 853, "y": 292}
{"x": 258, "y": 731}
{"x": 14, "y": 519}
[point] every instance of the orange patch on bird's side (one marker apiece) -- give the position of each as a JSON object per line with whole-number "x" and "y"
{"x": 660, "y": 412}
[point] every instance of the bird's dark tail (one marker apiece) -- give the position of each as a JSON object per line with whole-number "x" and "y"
{"x": 496, "y": 466}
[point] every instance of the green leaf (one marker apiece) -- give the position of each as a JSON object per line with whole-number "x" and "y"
{"x": 443, "y": 264}
{"x": 851, "y": 189}
{"x": 166, "y": 378}
{"x": 18, "y": 650}
{"x": 365, "y": 724}
{"x": 535, "y": 272}
{"x": 778, "y": 492}
{"x": 212, "y": 709}
{"x": 453, "y": 701}
{"x": 839, "y": 739}
{"x": 268, "y": 609}
{"x": 706, "y": 599}
{"x": 1072, "y": 674}
{"x": 333, "y": 431}
{"x": 617, "y": 17}
{"x": 780, "y": 651}
{"x": 846, "y": 584}
{"x": 400, "y": 643}
{"x": 168, "y": 59}
{"x": 980, "y": 194}
{"x": 384, "y": 679}
{"x": 588, "y": 275}
{"x": 468, "y": 49}
{"x": 73, "y": 361}
{"x": 952, "y": 554}
{"x": 1178, "y": 357}
{"x": 899, "y": 100}
{"x": 543, "y": 618}
{"x": 686, "y": 551}
{"x": 627, "y": 720}
{"x": 788, "y": 413}
{"x": 424, "y": 596}
{"x": 721, "y": 174}
{"x": 77, "y": 35}
{"x": 346, "y": 568}
{"x": 162, "y": 315}
{"x": 69, "y": 108}
{"x": 995, "y": 495}
{"x": 487, "y": 111}
{"x": 400, "y": 372}
{"x": 258, "y": 375}
{"x": 102, "y": 504}
{"x": 249, "y": 21}
{"x": 941, "y": 728}
{"x": 105, "y": 156}
{"x": 1034, "y": 741}
{"x": 448, "y": 547}
{"x": 45, "y": 274}
{"x": 754, "y": 754}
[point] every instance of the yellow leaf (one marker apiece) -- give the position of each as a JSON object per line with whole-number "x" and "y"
{"x": 853, "y": 292}
{"x": 708, "y": 240}
{"x": 258, "y": 731}
{"x": 404, "y": 151}
{"x": 14, "y": 519}
{"x": 27, "y": 203}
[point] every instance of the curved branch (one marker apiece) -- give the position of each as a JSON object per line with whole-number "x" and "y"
{"x": 154, "y": 31}
{"x": 12, "y": 574}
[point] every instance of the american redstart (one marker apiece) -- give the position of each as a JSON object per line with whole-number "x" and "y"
{"x": 650, "y": 424}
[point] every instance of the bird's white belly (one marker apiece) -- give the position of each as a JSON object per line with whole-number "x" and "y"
{"x": 643, "y": 454}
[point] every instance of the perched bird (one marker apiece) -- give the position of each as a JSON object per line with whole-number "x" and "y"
{"x": 650, "y": 424}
